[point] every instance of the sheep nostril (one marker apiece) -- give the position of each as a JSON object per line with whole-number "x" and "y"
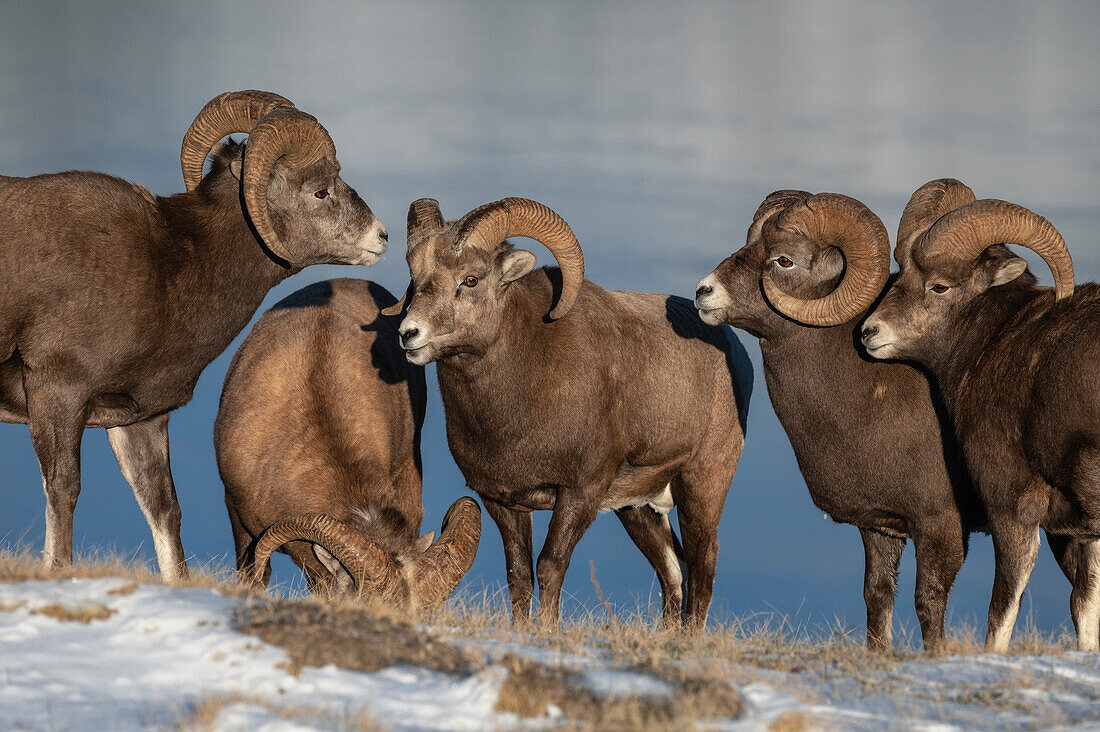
{"x": 408, "y": 334}
{"x": 384, "y": 236}
{"x": 703, "y": 291}
{"x": 869, "y": 333}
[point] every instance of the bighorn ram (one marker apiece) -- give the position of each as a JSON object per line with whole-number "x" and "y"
{"x": 1017, "y": 367}
{"x": 318, "y": 445}
{"x": 113, "y": 301}
{"x": 617, "y": 401}
{"x": 868, "y": 436}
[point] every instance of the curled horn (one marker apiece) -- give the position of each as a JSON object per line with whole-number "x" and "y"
{"x": 282, "y": 133}
{"x": 223, "y": 115}
{"x": 831, "y": 219}
{"x": 966, "y": 232}
{"x": 369, "y": 566}
{"x": 445, "y": 563}
{"x": 927, "y": 204}
{"x": 425, "y": 218}
{"x": 492, "y": 223}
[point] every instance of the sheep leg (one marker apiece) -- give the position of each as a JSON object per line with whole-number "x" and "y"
{"x": 699, "y": 505}
{"x": 940, "y": 555}
{"x": 1065, "y": 551}
{"x": 55, "y": 416}
{"x": 515, "y": 531}
{"x": 244, "y": 545}
{"x": 1084, "y": 601}
{"x": 141, "y": 450}
{"x": 568, "y": 522}
{"x": 652, "y": 533}
{"x": 1015, "y": 547}
{"x": 881, "y": 556}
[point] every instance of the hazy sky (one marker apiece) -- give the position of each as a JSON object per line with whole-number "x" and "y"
{"x": 655, "y": 129}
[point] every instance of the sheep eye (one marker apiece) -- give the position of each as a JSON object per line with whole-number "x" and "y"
{"x": 323, "y": 193}
{"x": 784, "y": 262}
{"x": 470, "y": 281}
{"x": 940, "y": 289}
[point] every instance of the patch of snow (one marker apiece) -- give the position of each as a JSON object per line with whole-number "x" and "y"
{"x": 164, "y": 650}
{"x": 618, "y": 683}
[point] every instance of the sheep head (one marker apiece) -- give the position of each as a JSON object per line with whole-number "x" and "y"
{"x": 960, "y": 258}
{"x": 818, "y": 260}
{"x": 418, "y": 578}
{"x": 462, "y": 270}
{"x": 300, "y": 207}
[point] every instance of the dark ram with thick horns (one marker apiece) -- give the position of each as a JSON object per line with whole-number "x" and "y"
{"x": 113, "y": 301}
{"x": 1018, "y": 367}
{"x": 869, "y": 437}
{"x": 318, "y": 445}
{"x": 562, "y": 396}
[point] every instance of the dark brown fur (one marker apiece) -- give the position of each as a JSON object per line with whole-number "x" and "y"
{"x": 628, "y": 393}
{"x": 113, "y": 301}
{"x": 1018, "y": 374}
{"x": 321, "y": 413}
{"x": 868, "y": 436}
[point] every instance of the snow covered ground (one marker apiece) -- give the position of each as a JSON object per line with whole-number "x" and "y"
{"x": 97, "y": 654}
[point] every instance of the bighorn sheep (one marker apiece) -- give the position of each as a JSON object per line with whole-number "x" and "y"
{"x": 1016, "y": 365}
{"x": 318, "y": 445}
{"x": 113, "y": 301}
{"x": 617, "y": 401}
{"x": 868, "y": 437}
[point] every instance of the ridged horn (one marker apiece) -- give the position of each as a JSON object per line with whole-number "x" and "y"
{"x": 425, "y": 218}
{"x": 446, "y": 562}
{"x": 223, "y": 115}
{"x": 282, "y": 133}
{"x": 928, "y": 203}
{"x": 492, "y": 223}
{"x": 966, "y": 232}
{"x": 771, "y": 207}
{"x": 367, "y": 563}
{"x": 831, "y": 219}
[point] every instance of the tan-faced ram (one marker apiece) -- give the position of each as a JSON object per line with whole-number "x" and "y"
{"x": 1018, "y": 367}
{"x": 318, "y": 445}
{"x": 617, "y": 401}
{"x": 869, "y": 437}
{"x": 113, "y": 301}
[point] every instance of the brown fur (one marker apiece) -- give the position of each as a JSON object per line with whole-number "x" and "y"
{"x": 1018, "y": 374}
{"x": 112, "y": 302}
{"x": 868, "y": 436}
{"x": 629, "y": 392}
{"x": 321, "y": 413}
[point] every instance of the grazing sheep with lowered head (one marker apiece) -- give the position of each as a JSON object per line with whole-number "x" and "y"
{"x": 318, "y": 444}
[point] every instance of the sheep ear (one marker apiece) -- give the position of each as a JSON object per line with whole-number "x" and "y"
{"x": 1008, "y": 270}
{"x": 515, "y": 263}
{"x": 424, "y": 542}
{"x": 235, "y": 167}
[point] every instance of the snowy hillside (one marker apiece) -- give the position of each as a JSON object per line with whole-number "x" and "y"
{"x": 97, "y": 654}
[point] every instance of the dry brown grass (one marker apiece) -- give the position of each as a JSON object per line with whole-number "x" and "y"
{"x": 206, "y": 712}
{"x": 23, "y": 564}
{"x": 535, "y": 690}
{"x": 352, "y": 637}
{"x": 77, "y": 614}
{"x": 349, "y": 633}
